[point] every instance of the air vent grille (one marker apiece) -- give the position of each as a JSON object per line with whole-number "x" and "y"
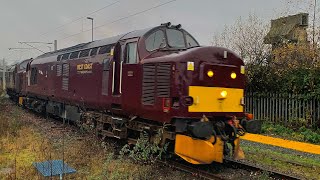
{"x": 148, "y": 84}
{"x": 65, "y": 83}
{"x": 156, "y": 82}
{"x": 163, "y": 79}
{"x": 59, "y": 69}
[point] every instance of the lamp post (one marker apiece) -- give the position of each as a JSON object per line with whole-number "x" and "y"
{"x": 90, "y": 18}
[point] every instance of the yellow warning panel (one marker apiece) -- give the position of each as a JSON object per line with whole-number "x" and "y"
{"x": 215, "y": 99}
{"x": 198, "y": 151}
{"x": 190, "y": 66}
{"x": 298, "y": 146}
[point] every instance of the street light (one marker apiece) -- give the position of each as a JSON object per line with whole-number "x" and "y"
{"x": 90, "y": 18}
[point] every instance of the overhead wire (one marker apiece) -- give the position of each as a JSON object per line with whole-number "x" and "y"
{"x": 77, "y": 19}
{"x": 120, "y": 19}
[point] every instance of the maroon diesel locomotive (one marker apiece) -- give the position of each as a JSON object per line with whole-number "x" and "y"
{"x": 157, "y": 80}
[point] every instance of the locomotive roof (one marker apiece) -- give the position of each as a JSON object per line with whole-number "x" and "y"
{"x": 98, "y": 43}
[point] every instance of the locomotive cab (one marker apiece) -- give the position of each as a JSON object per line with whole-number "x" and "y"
{"x": 199, "y": 90}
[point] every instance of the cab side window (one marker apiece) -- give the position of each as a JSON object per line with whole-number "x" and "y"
{"x": 34, "y": 74}
{"x": 131, "y": 53}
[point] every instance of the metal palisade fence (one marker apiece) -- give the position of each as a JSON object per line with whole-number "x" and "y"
{"x": 286, "y": 109}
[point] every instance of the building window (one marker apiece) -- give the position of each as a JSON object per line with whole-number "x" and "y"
{"x": 304, "y": 20}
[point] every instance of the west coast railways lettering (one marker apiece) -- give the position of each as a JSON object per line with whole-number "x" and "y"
{"x": 84, "y": 68}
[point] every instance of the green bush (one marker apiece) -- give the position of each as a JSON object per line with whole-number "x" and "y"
{"x": 263, "y": 78}
{"x": 301, "y": 134}
{"x": 310, "y": 136}
{"x": 144, "y": 151}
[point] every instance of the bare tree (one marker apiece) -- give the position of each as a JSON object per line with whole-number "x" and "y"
{"x": 245, "y": 37}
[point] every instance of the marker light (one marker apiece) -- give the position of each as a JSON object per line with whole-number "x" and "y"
{"x": 166, "y": 104}
{"x": 233, "y": 75}
{"x": 210, "y": 73}
{"x": 224, "y": 94}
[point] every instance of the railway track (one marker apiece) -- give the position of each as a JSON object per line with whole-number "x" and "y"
{"x": 200, "y": 171}
{"x": 190, "y": 169}
{"x": 203, "y": 173}
{"x": 254, "y": 167}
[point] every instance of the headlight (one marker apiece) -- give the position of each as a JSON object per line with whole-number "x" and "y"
{"x": 233, "y": 75}
{"x": 224, "y": 94}
{"x": 210, "y": 73}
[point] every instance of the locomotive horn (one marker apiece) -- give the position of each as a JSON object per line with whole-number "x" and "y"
{"x": 166, "y": 24}
{"x": 176, "y": 26}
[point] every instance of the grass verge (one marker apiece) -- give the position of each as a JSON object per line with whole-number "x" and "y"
{"x": 23, "y": 141}
{"x": 302, "y": 134}
{"x": 304, "y": 166}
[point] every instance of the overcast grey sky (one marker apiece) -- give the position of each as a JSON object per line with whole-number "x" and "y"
{"x": 29, "y": 20}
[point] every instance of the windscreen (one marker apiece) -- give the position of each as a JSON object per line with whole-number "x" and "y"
{"x": 175, "y": 38}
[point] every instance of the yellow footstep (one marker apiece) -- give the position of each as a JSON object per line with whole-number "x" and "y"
{"x": 298, "y": 146}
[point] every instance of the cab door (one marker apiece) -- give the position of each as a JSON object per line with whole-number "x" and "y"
{"x": 117, "y": 63}
{"x": 131, "y": 76}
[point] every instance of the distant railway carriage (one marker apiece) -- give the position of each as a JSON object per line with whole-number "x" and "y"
{"x": 16, "y": 80}
{"x": 158, "y": 80}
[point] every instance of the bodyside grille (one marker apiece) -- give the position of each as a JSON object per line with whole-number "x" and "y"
{"x": 59, "y": 69}
{"x": 148, "y": 84}
{"x": 65, "y": 83}
{"x": 163, "y": 80}
{"x": 156, "y": 82}
{"x": 65, "y": 76}
{"x": 65, "y": 70}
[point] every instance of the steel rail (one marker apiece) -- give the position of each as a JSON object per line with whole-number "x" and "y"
{"x": 196, "y": 171}
{"x": 254, "y": 167}
{"x": 192, "y": 170}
